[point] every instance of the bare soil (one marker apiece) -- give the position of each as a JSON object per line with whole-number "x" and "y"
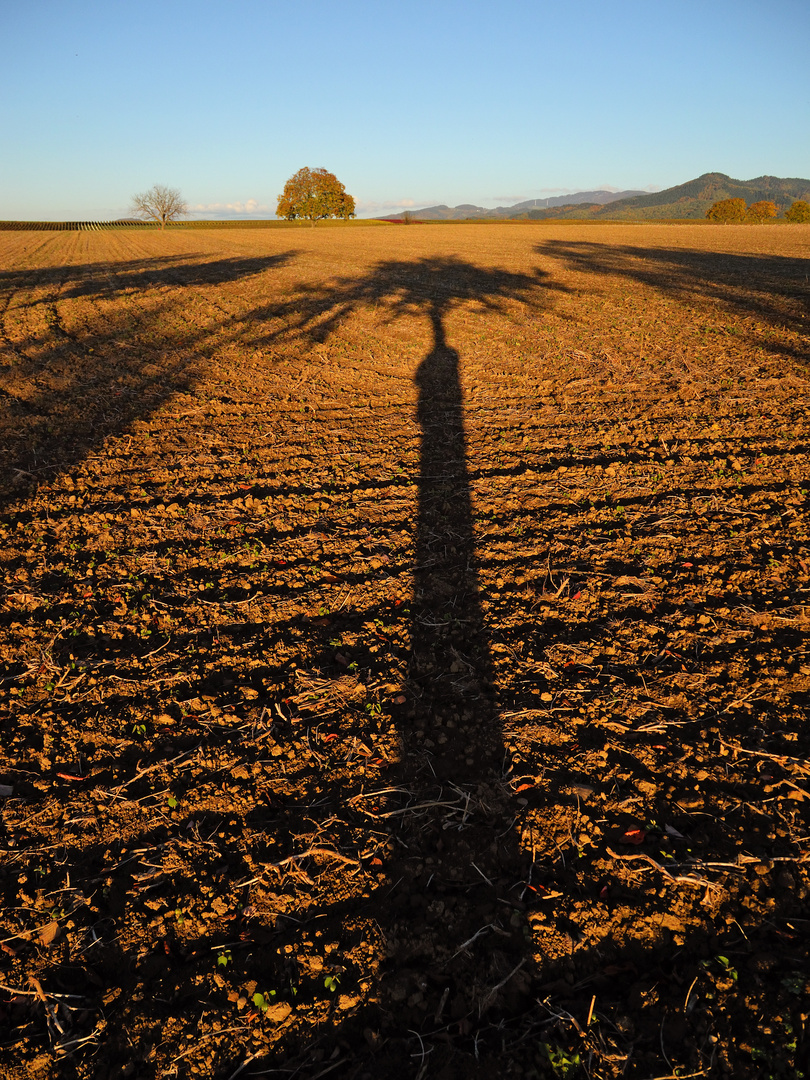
{"x": 404, "y": 652}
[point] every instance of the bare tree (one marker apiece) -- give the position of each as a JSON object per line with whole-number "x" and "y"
{"x": 161, "y": 204}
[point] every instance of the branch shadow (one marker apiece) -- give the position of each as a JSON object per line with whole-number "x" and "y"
{"x": 772, "y": 288}
{"x": 456, "y": 943}
{"x": 99, "y": 279}
{"x": 62, "y": 393}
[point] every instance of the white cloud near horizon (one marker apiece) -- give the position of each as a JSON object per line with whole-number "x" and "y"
{"x": 370, "y": 206}
{"x": 249, "y": 206}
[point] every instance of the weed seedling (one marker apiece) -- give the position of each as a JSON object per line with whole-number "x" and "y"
{"x": 563, "y": 1062}
{"x": 725, "y": 963}
{"x": 331, "y": 982}
{"x": 260, "y": 1000}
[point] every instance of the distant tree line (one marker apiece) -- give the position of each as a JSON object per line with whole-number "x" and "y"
{"x": 315, "y": 194}
{"x": 730, "y": 211}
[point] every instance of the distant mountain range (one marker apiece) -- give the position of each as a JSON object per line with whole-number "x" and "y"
{"x": 689, "y": 200}
{"x": 465, "y": 211}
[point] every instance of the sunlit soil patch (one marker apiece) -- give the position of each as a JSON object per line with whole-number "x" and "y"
{"x": 403, "y": 652}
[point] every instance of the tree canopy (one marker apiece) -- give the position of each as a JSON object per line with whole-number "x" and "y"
{"x": 761, "y": 211}
{"x": 727, "y": 210}
{"x": 160, "y": 203}
{"x": 798, "y": 212}
{"x": 314, "y": 194}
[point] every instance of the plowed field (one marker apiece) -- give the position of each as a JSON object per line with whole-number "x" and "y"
{"x": 403, "y": 652}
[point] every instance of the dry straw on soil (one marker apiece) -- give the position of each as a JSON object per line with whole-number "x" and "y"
{"x": 404, "y": 656}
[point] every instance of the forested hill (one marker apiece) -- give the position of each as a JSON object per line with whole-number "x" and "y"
{"x": 466, "y": 211}
{"x": 690, "y": 200}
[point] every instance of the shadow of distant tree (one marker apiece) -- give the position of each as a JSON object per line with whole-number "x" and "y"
{"x": 63, "y": 392}
{"x": 448, "y": 880}
{"x": 136, "y": 275}
{"x": 431, "y": 287}
{"x": 773, "y": 288}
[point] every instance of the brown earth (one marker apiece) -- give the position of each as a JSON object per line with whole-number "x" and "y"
{"x": 404, "y": 657}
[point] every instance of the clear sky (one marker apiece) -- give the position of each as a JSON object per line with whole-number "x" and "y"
{"x": 446, "y": 101}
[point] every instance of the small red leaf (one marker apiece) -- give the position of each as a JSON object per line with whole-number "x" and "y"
{"x": 633, "y": 836}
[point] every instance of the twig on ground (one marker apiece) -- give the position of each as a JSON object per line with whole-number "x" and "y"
{"x": 469, "y": 941}
{"x": 680, "y": 879}
{"x": 780, "y": 758}
{"x": 491, "y": 994}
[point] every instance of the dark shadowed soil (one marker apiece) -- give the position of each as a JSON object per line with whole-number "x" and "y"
{"x": 403, "y": 653}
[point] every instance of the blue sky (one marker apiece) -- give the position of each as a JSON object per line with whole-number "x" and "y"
{"x": 409, "y": 104}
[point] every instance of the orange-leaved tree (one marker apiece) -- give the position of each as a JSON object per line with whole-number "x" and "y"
{"x": 798, "y": 212}
{"x": 761, "y": 211}
{"x": 727, "y": 210}
{"x": 314, "y": 194}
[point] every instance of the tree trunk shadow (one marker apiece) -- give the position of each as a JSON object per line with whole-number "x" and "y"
{"x": 456, "y": 940}
{"x": 457, "y": 943}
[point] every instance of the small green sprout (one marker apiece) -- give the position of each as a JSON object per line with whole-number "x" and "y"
{"x": 794, "y": 984}
{"x": 331, "y": 982}
{"x": 725, "y": 963}
{"x": 563, "y": 1062}
{"x": 224, "y": 958}
{"x": 260, "y": 1000}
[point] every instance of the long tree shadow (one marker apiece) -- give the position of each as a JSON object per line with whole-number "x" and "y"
{"x": 456, "y": 945}
{"x": 63, "y": 391}
{"x": 136, "y": 275}
{"x": 772, "y": 288}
